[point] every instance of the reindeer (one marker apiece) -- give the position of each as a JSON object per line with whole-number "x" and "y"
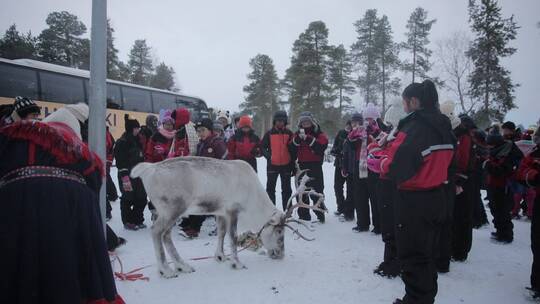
{"x": 228, "y": 189}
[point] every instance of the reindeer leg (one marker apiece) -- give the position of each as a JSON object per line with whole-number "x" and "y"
{"x": 158, "y": 229}
{"x": 233, "y": 227}
{"x": 221, "y": 231}
{"x": 179, "y": 264}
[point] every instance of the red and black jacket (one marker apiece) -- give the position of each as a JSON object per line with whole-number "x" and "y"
{"x": 311, "y": 148}
{"x": 275, "y": 147}
{"x": 529, "y": 169}
{"x": 502, "y": 163}
{"x": 157, "y": 148}
{"x": 465, "y": 160}
{"x": 109, "y": 147}
{"x": 422, "y": 153}
{"x": 245, "y": 146}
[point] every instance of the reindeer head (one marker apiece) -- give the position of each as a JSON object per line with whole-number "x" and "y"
{"x": 272, "y": 234}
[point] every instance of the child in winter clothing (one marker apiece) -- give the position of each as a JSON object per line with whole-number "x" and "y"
{"x": 355, "y": 167}
{"x": 148, "y": 130}
{"x": 159, "y": 145}
{"x": 128, "y": 152}
{"x": 339, "y": 179}
{"x": 210, "y": 145}
{"x": 224, "y": 118}
{"x": 245, "y": 145}
{"x": 309, "y": 144}
{"x": 503, "y": 160}
{"x": 280, "y": 159}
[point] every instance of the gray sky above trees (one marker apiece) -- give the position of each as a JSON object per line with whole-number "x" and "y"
{"x": 209, "y": 42}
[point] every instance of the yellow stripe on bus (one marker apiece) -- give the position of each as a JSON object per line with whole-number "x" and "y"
{"x": 114, "y": 118}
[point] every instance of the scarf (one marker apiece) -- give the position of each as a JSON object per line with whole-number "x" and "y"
{"x": 166, "y": 134}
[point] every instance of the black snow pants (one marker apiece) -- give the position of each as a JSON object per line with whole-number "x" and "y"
{"x": 272, "y": 174}
{"x": 419, "y": 216}
{"x": 535, "y": 246}
{"x": 386, "y": 193}
{"x": 500, "y": 204}
{"x": 462, "y": 223}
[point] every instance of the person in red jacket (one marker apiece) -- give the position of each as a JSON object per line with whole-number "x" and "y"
{"x": 180, "y": 144}
{"x": 245, "y": 144}
{"x": 418, "y": 162}
{"x": 309, "y": 144}
{"x": 529, "y": 174}
{"x": 159, "y": 144}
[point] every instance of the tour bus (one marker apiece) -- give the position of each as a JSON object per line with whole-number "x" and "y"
{"x": 52, "y": 86}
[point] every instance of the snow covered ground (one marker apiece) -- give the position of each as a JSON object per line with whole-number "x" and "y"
{"x": 335, "y": 268}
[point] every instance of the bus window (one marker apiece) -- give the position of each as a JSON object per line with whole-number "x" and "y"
{"x": 114, "y": 96}
{"x": 17, "y": 81}
{"x": 136, "y": 99}
{"x": 163, "y": 101}
{"x": 61, "y": 88}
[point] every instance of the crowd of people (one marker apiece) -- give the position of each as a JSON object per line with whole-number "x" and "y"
{"x": 414, "y": 177}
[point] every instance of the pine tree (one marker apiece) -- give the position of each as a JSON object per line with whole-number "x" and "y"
{"x": 305, "y": 79}
{"x": 490, "y": 81}
{"x": 124, "y": 73}
{"x": 262, "y": 92}
{"x": 417, "y": 41}
{"x": 112, "y": 54}
{"x": 364, "y": 53}
{"x": 60, "y": 43}
{"x": 164, "y": 78}
{"x": 339, "y": 77}
{"x": 14, "y": 45}
{"x": 140, "y": 63}
{"x": 388, "y": 60}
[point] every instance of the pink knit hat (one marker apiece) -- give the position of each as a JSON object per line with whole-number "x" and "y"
{"x": 371, "y": 111}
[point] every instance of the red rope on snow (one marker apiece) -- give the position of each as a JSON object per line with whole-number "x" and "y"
{"x": 133, "y": 275}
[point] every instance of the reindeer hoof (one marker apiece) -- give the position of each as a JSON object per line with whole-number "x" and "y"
{"x": 185, "y": 268}
{"x": 220, "y": 257}
{"x": 237, "y": 265}
{"x": 168, "y": 273}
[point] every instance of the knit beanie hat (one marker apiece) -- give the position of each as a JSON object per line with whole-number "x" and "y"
{"x": 281, "y": 116}
{"x": 130, "y": 124}
{"x": 509, "y": 125}
{"x": 181, "y": 117}
{"x": 166, "y": 117}
{"x": 371, "y": 111}
{"x": 306, "y": 116}
{"x": 357, "y": 117}
{"x": 245, "y": 121}
{"x": 206, "y": 123}
{"x": 25, "y": 106}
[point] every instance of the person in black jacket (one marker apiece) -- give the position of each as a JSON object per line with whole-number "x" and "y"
{"x": 128, "y": 152}
{"x": 339, "y": 179}
{"x": 418, "y": 161}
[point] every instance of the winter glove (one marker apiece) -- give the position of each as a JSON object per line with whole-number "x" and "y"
{"x": 126, "y": 183}
{"x": 374, "y": 164}
{"x": 344, "y": 173}
{"x": 356, "y": 134}
{"x": 256, "y": 152}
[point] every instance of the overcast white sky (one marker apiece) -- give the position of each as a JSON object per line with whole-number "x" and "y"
{"x": 209, "y": 42}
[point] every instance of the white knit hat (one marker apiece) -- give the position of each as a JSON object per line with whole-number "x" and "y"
{"x": 371, "y": 111}
{"x": 65, "y": 116}
{"x": 80, "y": 110}
{"x": 394, "y": 114}
{"x": 448, "y": 108}
{"x": 225, "y": 115}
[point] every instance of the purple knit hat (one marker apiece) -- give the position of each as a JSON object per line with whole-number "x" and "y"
{"x": 371, "y": 111}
